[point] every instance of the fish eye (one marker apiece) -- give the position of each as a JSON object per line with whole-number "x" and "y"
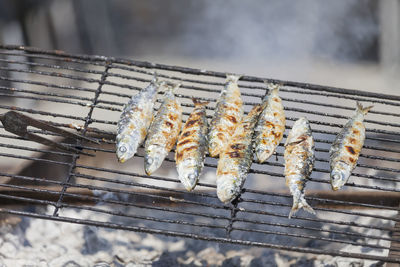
{"x": 122, "y": 149}
{"x": 192, "y": 176}
{"x": 260, "y": 150}
{"x": 149, "y": 160}
{"x": 337, "y": 176}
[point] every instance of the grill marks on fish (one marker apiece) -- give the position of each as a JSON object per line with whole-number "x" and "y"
{"x": 192, "y": 145}
{"x": 271, "y": 125}
{"x": 228, "y": 115}
{"x": 164, "y": 131}
{"x": 135, "y": 121}
{"x": 230, "y": 137}
{"x": 236, "y": 159}
{"x": 350, "y": 149}
{"x": 346, "y": 148}
{"x": 299, "y": 162}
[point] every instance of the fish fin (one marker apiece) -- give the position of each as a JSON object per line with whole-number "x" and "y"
{"x": 170, "y": 86}
{"x": 300, "y": 204}
{"x": 255, "y": 111}
{"x": 286, "y": 142}
{"x": 290, "y": 143}
{"x": 197, "y": 102}
{"x": 155, "y": 79}
{"x": 233, "y": 78}
{"x": 363, "y": 110}
{"x": 175, "y": 86}
{"x": 162, "y": 86}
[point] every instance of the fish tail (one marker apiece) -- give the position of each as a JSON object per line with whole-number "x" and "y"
{"x": 197, "y": 102}
{"x": 298, "y": 204}
{"x": 363, "y": 110}
{"x": 233, "y": 78}
{"x": 273, "y": 87}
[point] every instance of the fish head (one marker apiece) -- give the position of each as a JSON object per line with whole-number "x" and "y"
{"x": 153, "y": 158}
{"x": 340, "y": 175}
{"x": 124, "y": 152}
{"x": 188, "y": 173}
{"x": 227, "y": 190}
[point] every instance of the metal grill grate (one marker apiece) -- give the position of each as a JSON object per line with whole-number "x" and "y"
{"x": 87, "y": 93}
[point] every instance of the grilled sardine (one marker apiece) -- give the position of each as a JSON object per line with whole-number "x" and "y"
{"x": 299, "y": 162}
{"x": 271, "y": 124}
{"x": 346, "y": 148}
{"x": 135, "y": 121}
{"x": 236, "y": 159}
{"x": 192, "y": 145}
{"x": 163, "y": 132}
{"x": 228, "y": 114}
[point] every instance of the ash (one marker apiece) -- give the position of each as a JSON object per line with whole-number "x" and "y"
{"x": 37, "y": 242}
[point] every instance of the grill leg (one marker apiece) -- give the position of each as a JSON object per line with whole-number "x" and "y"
{"x": 395, "y": 244}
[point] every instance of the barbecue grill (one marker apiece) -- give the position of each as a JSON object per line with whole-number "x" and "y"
{"x": 362, "y": 221}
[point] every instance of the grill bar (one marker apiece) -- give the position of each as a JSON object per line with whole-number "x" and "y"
{"x": 69, "y": 154}
{"x": 229, "y": 228}
{"x": 124, "y": 95}
{"x": 185, "y": 96}
{"x": 64, "y": 153}
{"x": 96, "y": 59}
{"x": 320, "y": 201}
{"x": 182, "y": 201}
{"x": 251, "y": 171}
{"x": 279, "y": 154}
{"x": 322, "y": 160}
{"x": 207, "y": 99}
{"x": 106, "y": 133}
{"x": 96, "y": 199}
{"x": 95, "y": 85}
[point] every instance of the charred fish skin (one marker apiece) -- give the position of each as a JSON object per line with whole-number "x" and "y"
{"x": 135, "y": 121}
{"x": 299, "y": 162}
{"x": 271, "y": 124}
{"x": 228, "y": 115}
{"x": 346, "y": 148}
{"x": 164, "y": 131}
{"x": 236, "y": 159}
{"x": 192, "y": 146}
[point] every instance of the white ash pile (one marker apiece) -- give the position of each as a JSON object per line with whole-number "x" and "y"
{"x": 36, "y": 242}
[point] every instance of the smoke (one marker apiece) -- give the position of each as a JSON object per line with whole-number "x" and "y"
{"x": 276, "y": 30}
{"x": 252, "y": 31}
{"x": 242, "y": 30}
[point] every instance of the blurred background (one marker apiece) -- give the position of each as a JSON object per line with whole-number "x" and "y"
{"x": 350, "y": 43}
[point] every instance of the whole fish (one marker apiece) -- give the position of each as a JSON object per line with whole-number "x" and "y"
{"x": 346, "y": 148}
{"x": 228, "y": 114}
{"x": 192, "y": 145}
{"x": 299, "y": 162}
{"x": 164, "y": 131}
{"x": 135, "y": 121}
{"x": 271, "y": 124}
{"x": 235, "y": 160}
